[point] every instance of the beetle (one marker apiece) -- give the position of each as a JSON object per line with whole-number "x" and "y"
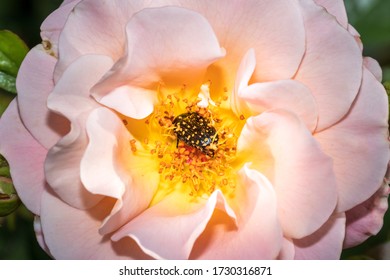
{"x": 195, "y": 131}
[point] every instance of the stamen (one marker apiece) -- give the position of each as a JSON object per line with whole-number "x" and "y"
{"x": 194, "y": 145}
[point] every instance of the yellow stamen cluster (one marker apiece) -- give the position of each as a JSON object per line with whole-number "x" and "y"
{"x": 188, "y": 167}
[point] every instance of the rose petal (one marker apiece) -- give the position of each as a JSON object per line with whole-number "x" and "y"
{"x": 174, "y": 214}
{"x": 335, "y": 8}
{"x": 366, "y": 219}
{"x": 134, "y": 102}
{"x": 158, "y": 50}
{"x": 71, "y": 98}
{"x": 54, "y": 23}
{"x": 71, "y": 233}
{"x": 325, "y": 243}
{"x": 94, "y": 27}
{"x": 288, "y": 250}
{"x": 34, "y": 83}
{"x": 25, "y": 157}
{"x": 330, "y": 67}
{"x": 356, "y": 35}
{"x": 360, "y": 138}
{"x": 277, "y": 52}
{"x": 281, "y": 147}
{"x": 244, "y": 74}
{"x": 258, "y": 234}
{"x": 283, "y": 94}
{"x": 373, "y": 66}
{"x": 39, "y": 235}
{"x": 269, "y": 26}
{"x": 110, "y": 168}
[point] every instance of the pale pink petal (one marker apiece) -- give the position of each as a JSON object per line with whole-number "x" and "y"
{"x": 332, "y": 65}
{"x": 71, "y": 233}
{"x": 134, "y": 102}
{"x": 25, "y": 157}
{"x": 39, "y": 235}
{"x": 277, "y": 52}
{"x": 109, "y": 168}
{"x": 356, "y": 35}
{"x": 373, "y": 66}
{"x": 366, "y": 219}
{"x": 281, "y": 147}
{"x": 244, "y": 74}
{"x": 95, "y": 27}
{"x": 99, "y": 163}
{"x": 164, "y": 45}
{"x": 288, "y": 250}
{"x": 325, "y": 244}
{"x": 34, "y": 83}
{"x": 169, "y": 229}
{"x": 359, "y": 145}
{"x": 54, "y": 23}
{"x": 71, "y": 98}
{"x": 335, "y": 8}
{"x": 258, "y": 234}
{"x": 282, "y": 94}
{"x": 274, "y": 29}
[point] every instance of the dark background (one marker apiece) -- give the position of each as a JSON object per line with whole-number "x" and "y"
{"x": 370, "y": 17}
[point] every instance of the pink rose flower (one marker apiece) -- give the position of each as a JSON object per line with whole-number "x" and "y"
{"x": 199, "y": 129}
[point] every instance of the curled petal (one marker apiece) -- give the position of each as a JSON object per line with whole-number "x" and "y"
{"x": 269, "y": 26}
{"x": 288, "y": 250}
{"x": 373, "y": 66}
{"x": 300, "y": 172}
{"x": 71, "y": 233}
{"x": 103, "y": 22}
{"x": 159, "y": 51}
{"x": 71, "y": 98}
{"x": 330, "y": 67}
{"x": 39, "y": 235}
{"x": 325, "y": 244}
{"x": 356, "y": 36}
{"x": 366, "y": 219}
{"x": 283, "y": 94}
{"x": 134, "y": 102}
{"x": 360, "y": 138}
{"x": 336, "y": 8}
{"x": 109, "y": 167}
{"x": 54, "y": 23}
{"x": 244, "y": 74}
{"x": 25, "y": 157}
{"x": 99, "y": 162}
{"x": 174, "y": 214}
{"x": 258, "y": 234}
{"x": 34, "y": 84}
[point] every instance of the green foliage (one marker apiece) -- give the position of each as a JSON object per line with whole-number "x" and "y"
{"x": 12, "y": 52}
{"x": 9, "y": 200}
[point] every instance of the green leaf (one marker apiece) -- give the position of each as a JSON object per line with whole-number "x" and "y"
{"x": 5, "y": 99}
{"x": 7, "y": 82}
{"x": 6, "y": 187}
{"x": 4, "y": 168}
{"x": 9, "y": 200}
{"x": 8, "y": 204}
{"x": 12, "y": 52}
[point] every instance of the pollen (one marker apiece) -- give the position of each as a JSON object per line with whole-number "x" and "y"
{"x": 194, "y": 146}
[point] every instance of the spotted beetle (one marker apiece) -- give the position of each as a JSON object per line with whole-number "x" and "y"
{"x": 195, "y": 131}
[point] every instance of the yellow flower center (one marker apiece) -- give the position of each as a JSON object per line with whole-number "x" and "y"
{"x": 192, "y": 139}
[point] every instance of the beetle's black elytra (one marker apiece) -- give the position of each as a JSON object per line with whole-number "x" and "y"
{"x": 195, "y": 131}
